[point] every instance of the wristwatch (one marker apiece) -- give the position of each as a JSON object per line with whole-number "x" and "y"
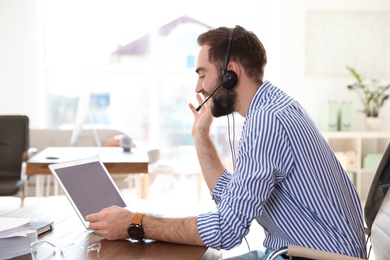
{"x": 136, "y": 231}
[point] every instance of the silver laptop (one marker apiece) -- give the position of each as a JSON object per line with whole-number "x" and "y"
{"x": 88, "y": 186}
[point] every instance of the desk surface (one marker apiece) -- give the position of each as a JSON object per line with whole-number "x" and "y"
{"x": 69, "y": 229}
{"x": 114, "y": 158}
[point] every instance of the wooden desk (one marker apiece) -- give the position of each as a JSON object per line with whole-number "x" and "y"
{"x": 114, "y": 158}
{"x": 69, "y": 229}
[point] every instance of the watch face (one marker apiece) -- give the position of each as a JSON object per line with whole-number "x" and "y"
{"x": 136, "y": 232}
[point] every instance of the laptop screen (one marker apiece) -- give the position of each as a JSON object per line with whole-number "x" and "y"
{"x": 87, "y": 185}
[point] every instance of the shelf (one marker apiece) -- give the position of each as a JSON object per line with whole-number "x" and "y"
{"x": 359, "y": 134}
{"x": 351, "y": 148}
{"x": 367, "y": 171}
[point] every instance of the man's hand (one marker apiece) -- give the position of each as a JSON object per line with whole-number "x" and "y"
{"x": 111, "y": 223}
{"x": 202, "y": 119}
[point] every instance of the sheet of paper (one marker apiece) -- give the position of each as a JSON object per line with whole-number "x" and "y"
{"x": 10, "y": 227}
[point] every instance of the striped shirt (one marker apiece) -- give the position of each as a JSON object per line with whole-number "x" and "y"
{"x": 289, "y": 180}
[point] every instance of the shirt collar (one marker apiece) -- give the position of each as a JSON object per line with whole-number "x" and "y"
{"x": 259, "y": 94}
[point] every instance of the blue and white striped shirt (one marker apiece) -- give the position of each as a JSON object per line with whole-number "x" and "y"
{"x": 289, "y": 180}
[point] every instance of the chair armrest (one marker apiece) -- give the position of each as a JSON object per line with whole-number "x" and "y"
{"x": 25, "y": 156}
{"x": 277, "y": 252}
{"x": 317, "y": 254}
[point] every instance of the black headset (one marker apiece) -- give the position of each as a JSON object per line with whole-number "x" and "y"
{"x": 229, "y": 78}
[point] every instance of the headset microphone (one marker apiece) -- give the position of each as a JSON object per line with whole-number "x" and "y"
{"x": 204, "y": 102}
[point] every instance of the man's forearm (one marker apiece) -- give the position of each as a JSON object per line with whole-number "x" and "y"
{"x": 173, "y": 230}
{"x": 210, "y": 163}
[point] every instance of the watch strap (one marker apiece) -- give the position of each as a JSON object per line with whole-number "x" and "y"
{"x": 137, "y": 219}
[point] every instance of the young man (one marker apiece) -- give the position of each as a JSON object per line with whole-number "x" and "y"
{"x": 286, "y": 176}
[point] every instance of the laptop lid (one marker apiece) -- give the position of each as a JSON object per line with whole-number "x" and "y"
{"x": 87, "y": 185}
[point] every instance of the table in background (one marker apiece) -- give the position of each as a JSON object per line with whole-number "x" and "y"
{"x": 69, "y": 229}
{"x": 115, "y": 159}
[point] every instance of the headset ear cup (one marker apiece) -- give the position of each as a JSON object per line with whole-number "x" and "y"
{"x": 230, "y": 79}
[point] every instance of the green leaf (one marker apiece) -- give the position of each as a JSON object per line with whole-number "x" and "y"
{"x": 372, "y": 97}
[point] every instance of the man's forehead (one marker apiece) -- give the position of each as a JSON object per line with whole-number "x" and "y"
{"x": 204, "y": 51}
{"x": 203, "y": 58}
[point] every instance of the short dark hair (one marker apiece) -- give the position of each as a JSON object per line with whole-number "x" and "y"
{"x": 246, "y": 49}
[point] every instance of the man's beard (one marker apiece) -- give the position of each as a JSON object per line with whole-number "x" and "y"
{"x": 223, "y": 102}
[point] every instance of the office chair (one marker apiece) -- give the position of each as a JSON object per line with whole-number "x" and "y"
{"x": 377, "y": 209}
{"x": 14, "y": 133}
{"x": 377, "y": 218}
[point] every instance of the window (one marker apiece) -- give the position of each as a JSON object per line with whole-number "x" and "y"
{"x": 135, "y": 66}
{"x": 143, "y": 86}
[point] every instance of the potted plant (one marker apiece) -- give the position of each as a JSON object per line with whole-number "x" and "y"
{"x": 372, "y": 96}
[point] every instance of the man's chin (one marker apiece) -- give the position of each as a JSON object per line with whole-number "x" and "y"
{"x": 222, "y": 107}
{"x": 218, "y": 113}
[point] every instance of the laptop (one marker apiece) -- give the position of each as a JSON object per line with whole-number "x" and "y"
{"x": 87, "y": 185}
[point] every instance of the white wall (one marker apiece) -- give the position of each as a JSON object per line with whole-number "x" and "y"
{"x": 314, "y": 92}
{"x": 20, "y": 89}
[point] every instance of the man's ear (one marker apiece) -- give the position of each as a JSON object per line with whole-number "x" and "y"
{"x": 233, "y": 66}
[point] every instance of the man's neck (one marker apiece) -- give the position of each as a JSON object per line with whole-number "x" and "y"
{"x": 244, "y": 97}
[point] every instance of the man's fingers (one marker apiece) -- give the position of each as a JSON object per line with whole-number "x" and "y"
{"x": 92, "y": 217}
{"x": 199, "y": 98}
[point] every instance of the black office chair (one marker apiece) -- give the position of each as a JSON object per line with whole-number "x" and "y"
{"x": 14, "y": 134}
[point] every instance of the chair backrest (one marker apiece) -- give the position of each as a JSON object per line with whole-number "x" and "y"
{"x": 378, "y": 189}
{"x": 14, "y": 143}
{"x": 154, "y": 155}
{"x": 380, "y": 231}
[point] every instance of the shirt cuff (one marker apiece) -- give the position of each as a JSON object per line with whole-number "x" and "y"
{"x": 210, "y": 235}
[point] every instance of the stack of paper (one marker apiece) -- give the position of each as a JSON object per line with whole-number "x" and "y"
{"x": 15, "y": 237}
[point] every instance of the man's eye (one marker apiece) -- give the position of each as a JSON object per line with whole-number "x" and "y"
{"x": 201, "y": 76}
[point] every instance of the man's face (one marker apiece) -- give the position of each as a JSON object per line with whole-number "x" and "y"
{"x": 223, "y": 100}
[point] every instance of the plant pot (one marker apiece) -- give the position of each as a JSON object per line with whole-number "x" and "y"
{"x": 374, "y": 123}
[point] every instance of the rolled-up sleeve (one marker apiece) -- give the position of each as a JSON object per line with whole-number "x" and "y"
{"x": 209, "y": 224}
{"x": 220, "y": 186}
{"x": 216, "y": 228}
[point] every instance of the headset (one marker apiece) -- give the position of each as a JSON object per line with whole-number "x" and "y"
{"x": 229, "y": 78}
